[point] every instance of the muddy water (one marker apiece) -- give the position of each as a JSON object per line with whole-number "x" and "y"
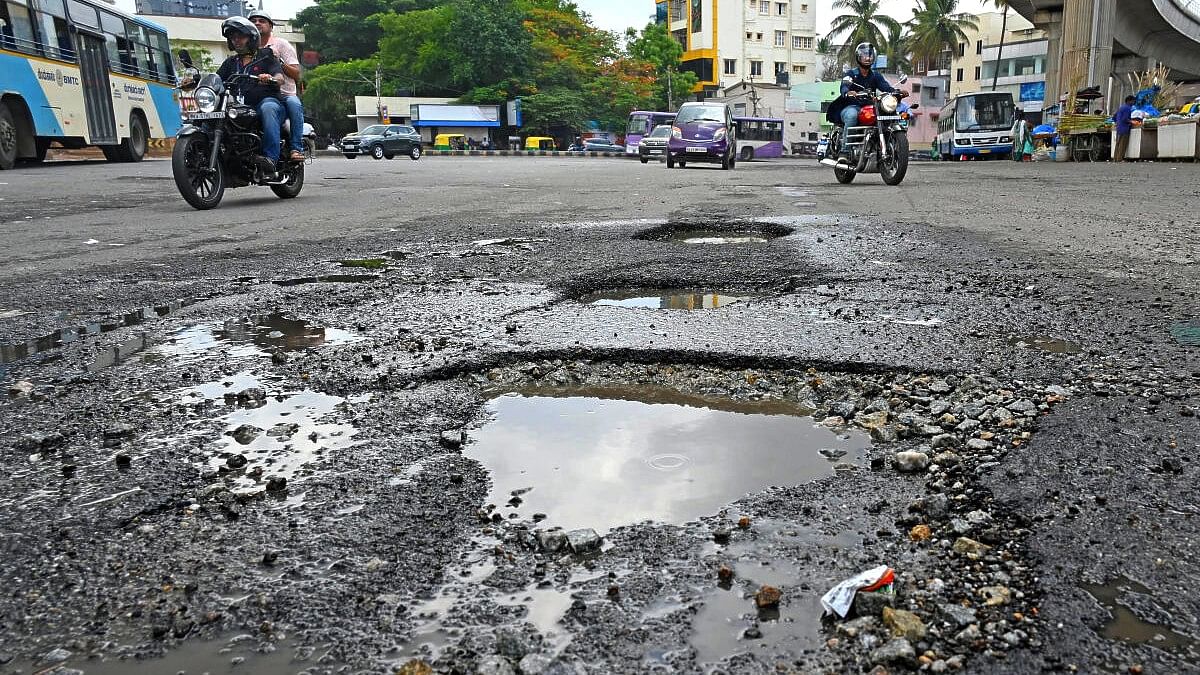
{"x": 708, "y": 237}
{"x": 236, "y": 654}
{"x": 661, "y": 299}
{"x": 1125, "y": 626}
{"x": 1046, "y": 343}
{"x": 605, "y": 458}
{"x": 1186, "y": 333}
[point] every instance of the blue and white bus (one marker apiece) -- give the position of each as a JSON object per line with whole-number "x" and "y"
{"x": 82, "y": 73}
{"x": 978, "y": 124}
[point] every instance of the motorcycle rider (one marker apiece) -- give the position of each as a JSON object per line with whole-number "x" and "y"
{"x": 844, "y": 110}
{"x": 262, "y": 92}
{"x": 291, "y": 73}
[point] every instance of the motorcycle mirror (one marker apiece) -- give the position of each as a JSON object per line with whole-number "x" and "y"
{"x": 848, "y": 80}
{"x": 189, "y": 79}
{"x": 903, "y": 78}
{"x": 185, "y": 58}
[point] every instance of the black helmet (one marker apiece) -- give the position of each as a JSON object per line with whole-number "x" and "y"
{"x": 236, "y": 25}
{"x": 865, "y": 49}
{"x": 260, "y": 14}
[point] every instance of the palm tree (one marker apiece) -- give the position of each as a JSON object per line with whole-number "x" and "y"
{"x": 1003, "y": 29}
{"x": 863, "y": 23}
{"x": 895, "y": 47}
{"x": 936, "y": 27}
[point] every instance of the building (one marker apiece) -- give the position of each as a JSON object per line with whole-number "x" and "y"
{"x": 807, "y": 105}
{"x": 430, "y": 116}
{"x": 727, "y": 42}
{"x": 197, "y": 23}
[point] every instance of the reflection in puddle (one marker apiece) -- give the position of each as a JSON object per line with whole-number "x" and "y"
{"x": 1125, "y": 626}
{"x": 660, "y": 299}
{"x": 714, "y": 238}
{"x": 605, "y": 458}
{"x": 1186, "y": 333}
{"x": 118, "y": 353}
{"x": 15, "y": 352}
{"x": 329, "y": 279}
{"x": 250, "y": 337}
{"x": 1052, "y": 345}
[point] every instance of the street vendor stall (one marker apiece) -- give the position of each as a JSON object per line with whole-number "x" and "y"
{"x": 1178, "y": 137}
{"x": 1088, "y": 137}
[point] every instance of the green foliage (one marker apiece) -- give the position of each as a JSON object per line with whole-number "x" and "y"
{"x": 415, "y": 47}
{"x": 863, "y": 22}
{"x": 936, "y": 27}
{"x": 655, "y": 46}
{"x": 895, "y": 48}
{"x": 202, "y": 59}
{"x": 331, "y": 91}
{"x": 342, "y": 30}
{"x": 553, "y": 111}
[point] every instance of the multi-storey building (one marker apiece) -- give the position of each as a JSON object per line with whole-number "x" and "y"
{"x": 1019, "y": 69}
{"x": 730, "y": 41}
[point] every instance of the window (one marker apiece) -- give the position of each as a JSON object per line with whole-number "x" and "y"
{"x": 958, "y": 75}
{"x": 916, "y": 88}
{"x": 962, "y": 49}
{"x": 977, "y": 69}
{"x": 803, "y": 8}
{"x": 780, "y": 67}
{"x": 801, "y": 42}
{"x": 756, "y": 69}
{"x": 933, "y": 93}
{"x": 781, "y": 8}
{"x": 780, "y": 38}
{"x": 979, "y": 46}
{"x": 799, "y": 69}
{"x": 764, "y": 7}
{"x": 758, "y": 37}
{"x": 16, "y": 28}
{"x": 731, "y": 66}
{"x": 749, "y": 36}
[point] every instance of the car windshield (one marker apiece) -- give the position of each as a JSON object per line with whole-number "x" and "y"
{"x": 700, "y": 114}
{"x": 661, "y": 132}
{"x": 984, "y": 113}
{"x": 376, "y": 130}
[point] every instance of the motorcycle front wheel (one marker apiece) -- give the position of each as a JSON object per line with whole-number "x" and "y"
{"x": 294, "y": 184}
{"x": 198, "y": 186}
{"x": 896, "y": 165}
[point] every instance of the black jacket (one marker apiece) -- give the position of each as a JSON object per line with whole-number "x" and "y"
{"x": 872, "y": 81}
{"x": 252, "y": 90}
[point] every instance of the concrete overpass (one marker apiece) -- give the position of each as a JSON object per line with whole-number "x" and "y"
{"x": 1091, "y": 40}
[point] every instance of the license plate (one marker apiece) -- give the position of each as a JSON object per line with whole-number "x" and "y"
{"x": 654, "y": 152}
{"x": 984, "y": 152}
{"x": 696, "y": 148}
{"x": 885, "y": 118}
{"x": 206, "y": 116}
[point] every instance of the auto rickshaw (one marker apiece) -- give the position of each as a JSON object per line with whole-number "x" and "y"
{"x": 449, "y": 141}
{"x": 540, "y": 143}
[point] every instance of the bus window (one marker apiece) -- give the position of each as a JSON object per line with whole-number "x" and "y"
{"x": 55, "y": 37}
{"x": 114, "y": 32}
{"x": 162, "y": 57}
{"x": 16, "y": 30}
{"x": 141, "y": 49}
{"x": 84, "y": 14}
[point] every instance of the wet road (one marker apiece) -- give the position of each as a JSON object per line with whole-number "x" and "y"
{"x": 1052, "y": 305}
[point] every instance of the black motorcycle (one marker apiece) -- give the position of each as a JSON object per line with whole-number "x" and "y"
{"x": 221, "y": 143}
{"x": 878, "y": 143}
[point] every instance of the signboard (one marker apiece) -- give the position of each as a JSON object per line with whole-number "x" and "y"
{"x": 513, "y": 113}
{"x": 881, "y": 61}
{"x": 1033, "y": 91}
{"x": 383, "y": 115}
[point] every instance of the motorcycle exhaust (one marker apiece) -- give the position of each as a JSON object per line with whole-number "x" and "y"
{"x": 829, "y": 162}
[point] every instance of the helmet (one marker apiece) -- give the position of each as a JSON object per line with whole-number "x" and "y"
{"x": 865, "y": 50}
{"x": 260, "y": 14}
{"x": 236, "y": 25}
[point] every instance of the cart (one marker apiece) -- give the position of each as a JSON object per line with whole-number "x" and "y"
{"x": 1087, "y": 137}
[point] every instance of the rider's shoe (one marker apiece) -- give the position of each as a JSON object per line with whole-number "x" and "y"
{"x": 266, "y": 167}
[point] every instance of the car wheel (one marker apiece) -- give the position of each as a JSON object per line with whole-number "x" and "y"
{"x": 682, "y": 164}
{"x": 350, "y": 156}
{"x": 670, "y": 161}
{"x": 388, "y": 155}
{"x": 415, "y": 153}
{"x": 377, "y": 152}
{"x": 645, "y": 160}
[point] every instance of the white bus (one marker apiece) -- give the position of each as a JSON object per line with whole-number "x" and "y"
{"x": 82, "y": 73}
{"x": 978, "y": 124}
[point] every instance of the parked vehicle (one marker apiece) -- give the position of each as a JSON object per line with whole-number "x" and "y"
{"x": 449, "y": 141}
{"x": 978, "y": 125}
{"x": 878, "y": 144}
{"x": 601, "y": 145}
{"x": 540, "y": 143}
{"x": 383, "y": 141}
{"x": 221, "y": 142}
{"x": 655, "y": 145}
{"x": 703, "y": 132}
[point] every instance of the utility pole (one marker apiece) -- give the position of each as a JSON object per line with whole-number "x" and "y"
{"x": 379, "y": 91}
{"x": 670, "y": 101}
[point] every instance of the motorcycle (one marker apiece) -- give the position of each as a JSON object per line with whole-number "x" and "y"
{"x": 220, "y": 144}
{"x": 878, "y": 144}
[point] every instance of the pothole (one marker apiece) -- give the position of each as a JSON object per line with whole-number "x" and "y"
{"x": 365, "y": 263}
{"x": 1126, "y": 626}
{"x": 752, "y": 232}
{"x": 229, "y": 655}
{"x": 1045, "y": 343}
{"x": 243, "y": 338}
{"x": 662, "y": 299}
{"x": 329, "y": 279}
{"x": 11, "y": 353}
{"x": 605, "y": 457}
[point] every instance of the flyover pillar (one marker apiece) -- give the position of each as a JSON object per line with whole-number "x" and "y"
{"x": 1087, "y": 44}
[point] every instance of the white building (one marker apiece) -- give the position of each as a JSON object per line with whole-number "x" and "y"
{"x": 730, "y": 41}
{"x": 205, "y": 32}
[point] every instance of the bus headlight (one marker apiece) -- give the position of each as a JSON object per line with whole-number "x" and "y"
{"x": 206, "y": 99}
{"x": 888, "y": 104}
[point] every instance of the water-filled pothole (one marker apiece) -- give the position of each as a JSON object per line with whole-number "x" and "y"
{"x": 1186, "y": 333}
{"x": 661, "y": 299}
{"x": 15, "y": 352}
{"x": 731, "y": 233}
{"x": 708, "y": 237}
{"x": 329, "y": 279}
{"x": 1126, "y": 626}
{"x": 251, "y": 336}
{"x": 230, "y": 655}
{"x": 601, "y": 458}
{"x": 1046, "y": 343}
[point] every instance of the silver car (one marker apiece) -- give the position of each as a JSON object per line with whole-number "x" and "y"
{"x": 655, "y": 145}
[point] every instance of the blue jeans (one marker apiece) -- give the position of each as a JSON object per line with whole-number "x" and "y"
{"x": 270, "y": 113}
{"x": 295, "y": 115}
{"x": 849, "y": 119}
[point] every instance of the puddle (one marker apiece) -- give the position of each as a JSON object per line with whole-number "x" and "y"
{"x": 1125, "y": 626}
{"x": 1049, "y": 344}
{"x": 329, "y": 279}
{"x": 365, "y": 263}
{"x": 1186, "y": 333}
{"x": 664, "y": 299}
{"x": 602, "y": 458}
{"x": 254, "y": 336}
{"x": 236, "y": 654}
{"x": 708, "y": 237}
{"x": 793, "y": 191}
{"x": 732, "y": 233}
{"x": 119, "y": 353}
{"x": 11, "y": 353}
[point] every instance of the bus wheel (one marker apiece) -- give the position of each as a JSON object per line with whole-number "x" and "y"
{"x": 747, "y": 154}
{"x": 132, "y": 149}
{"x": 8, "y": 138}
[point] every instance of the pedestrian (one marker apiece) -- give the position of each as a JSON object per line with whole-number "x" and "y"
{"x": 1124, "y": 122}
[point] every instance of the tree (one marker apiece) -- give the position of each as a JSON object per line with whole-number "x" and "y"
{"x": 1003, "y": 30}
{"x": 331, "y": 91}
{"x": 343, "y": 30}
{"x": 831, "y": 67}
{"x": 863, "y": 23}
{"x": 415, "y": 46}
{"x": 489, "y": 42}
{"x": 202, "y": 59}
{"x": 655, "y": 46}
{"x": 895, "y": 48}
{"x": 936, "y": 27}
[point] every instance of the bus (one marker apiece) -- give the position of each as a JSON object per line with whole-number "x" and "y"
{"x": 759, "y": 137}
{"x": 978, "y": 124}
{"x": 83, "y": 74}
{"x": 641, "y": 123}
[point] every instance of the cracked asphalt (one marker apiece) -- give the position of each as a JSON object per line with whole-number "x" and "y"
{"x": 139, "y": 336}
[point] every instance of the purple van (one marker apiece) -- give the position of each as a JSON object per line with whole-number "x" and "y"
{"x": 703, "y": 132}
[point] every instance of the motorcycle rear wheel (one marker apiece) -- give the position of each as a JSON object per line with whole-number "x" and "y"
{"x": 295, "y": 183}
{"x": 845, "y": 176}
{"x": 189, "y": 166}
{"x": 896, "y": 167}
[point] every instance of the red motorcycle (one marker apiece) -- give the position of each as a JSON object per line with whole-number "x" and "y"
{"x": 879, "y": 143}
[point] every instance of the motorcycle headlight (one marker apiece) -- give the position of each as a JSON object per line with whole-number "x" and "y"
{"x": 206, "y": 99}
{"x": 719, "y": 135}
{"x": 676, "y": 132}
{"x": 888, "y": 104}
